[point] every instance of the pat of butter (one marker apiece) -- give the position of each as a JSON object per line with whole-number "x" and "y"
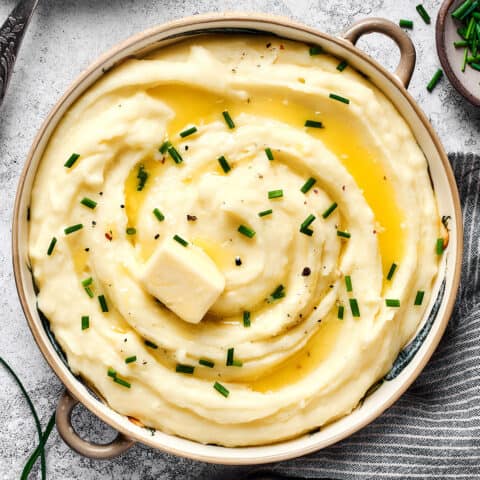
{"x": 184, "y": 279}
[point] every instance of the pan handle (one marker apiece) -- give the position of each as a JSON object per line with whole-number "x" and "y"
{"x": 408, "y": 55}
{"x": 96, "y": 451}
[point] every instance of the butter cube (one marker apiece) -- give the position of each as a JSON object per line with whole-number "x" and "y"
{"x": 184, "y": 278}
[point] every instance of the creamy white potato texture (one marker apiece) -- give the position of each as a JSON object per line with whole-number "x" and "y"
{"x": 320, "y": 218}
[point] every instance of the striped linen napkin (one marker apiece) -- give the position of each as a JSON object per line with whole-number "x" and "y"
{"x": 433, "y": 430}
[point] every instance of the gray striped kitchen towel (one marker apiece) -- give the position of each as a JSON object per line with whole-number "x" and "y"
{"x": 433, "y": 430}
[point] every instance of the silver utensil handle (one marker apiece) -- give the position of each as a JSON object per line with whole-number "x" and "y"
{"x": 11, "y": 36}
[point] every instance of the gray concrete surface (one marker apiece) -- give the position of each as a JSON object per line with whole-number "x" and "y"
{"x": 64, "y": 37}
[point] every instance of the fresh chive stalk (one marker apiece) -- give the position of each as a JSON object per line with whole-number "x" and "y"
{"x": 51, "y": 246}
{"x": 224, "y": 164}
{"x": 435, "y": 79}
{"x": 315, "y": 50}
{"x": 85, "y": 322}
{"x": 308, "y": 185}
{"x": 159, "y": 215}
{"x": 343, "y": 234}
{"x": 278, "y": 293}
{"x": 150, "y": 344}
{"x": 406, "y": 23}
{"x": 122, "y": 382}
{"x": 246, "y": 319}
{"x": 73, "y": 228}
{"x": 419, "y": 298}
{"x": 354, "y": 307}
{"x": 423, "y": 13}
{"x": 142, "y": 177}
{"x": 329, "y": 210}
{"x": 392, "y": 302}
{"x": 228, "y": 119}
{"x": 339, "y": 98}
{"x": 72, "y": 159}
{"x": 247, "y": 231}
{"x": 188, "y": 369}
{"x": 188, "y": 131}
{"x": 103, "y": 303}
{"x": 230, "y": 354}
{"x": 264, "y": 213}
{"x": 180, "y": 240}
{"x": 88, "y": 202}
{"x": 348, "y": 283}
{"x": 268, "y": 152}
{"x": 206, "y": 363}
{"x": 221, "y": 389}
{"x": 342, "y": 66}
{"x": 131, "y": 359}
{"x": 165, "y": 146}
{"x": 131, "y": 231}
{"x": 313, "y": 124}
{"x": 439, "y": 246}
{"x": 275, "y": 194}
{"x": 304, "y": 227}
{"x": 340, "y": 312}
{"x": 391, "y": 272}
{"x": 87, "y": 282}
{"x": 176, "y": 157}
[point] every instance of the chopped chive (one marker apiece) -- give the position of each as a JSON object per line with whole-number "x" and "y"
{"x": 176, "y": 157}
{"x": 278, "y": 293}
{"x": 103, "y": 303}
{"x": 85, "y": 322}
{"x": 237, "y": 363}
{"x": 348, "y": 283}
{"x": 343, "y": 234}
{"x": 150, "y": 344}
{"x": 246, "y": 319}
{"x": 419, "y": 297}
{"x": 392, "y": 302}
{"x": 111, "y": 372}
{"x": 460, "y": 43}
{"x": 391, "y": 271}
{"x": 406, "y": 23}
{"x": 315, "y": 50}
{"x": 73, "y": 158}
{"x": 476, "y": 66}
{"x": 465, "y": 57}
{"x": 230, "y": 353}
{"x": 342, "y": 66}
{"x": 221, "y": 389}
{"x": 313, "y": 124}
{"x": 73, "y": 228}
{"x": 307, "y": 222}
{"x": 88, "y": 202}
{"x": 307, "y": 231}
{"x": 206, "y": 363}
{"x": 247, "y": 231}
{"x": 308, "y": 185}
{"x": 329, "y": 210}
{"x": 131, "y": 359}
{"x": 131, "y": 231}
{"x": 340, "y": 312}
{"x": 159, "y": 215}
{"x": 435, "y": 79}
{"x": 423, "y": 13}
{"x": 265, "y": 213}
{"x": 275, "y": 194}
{"x": 339, "y": 98}
{"x": 462, "y": 10}
{"x": 88, "y": 281}
{"x": 439, "y": 246}
{"x": 165, "y": 146}
{"x": 142, "y": 176}
{"x": 269, "y": 153}
{"x": 122, "y": 382}
{"x": 51, "y": 246}
{"x": 228, "y": 119}
{"x": 188, "y": 131}
{"x": 354, "y": 307}
{"x": 89, "y": 292}
{"x": 180, "y": 240}
{"x": 224, "y": 164}
{"x": 189, "y": 369}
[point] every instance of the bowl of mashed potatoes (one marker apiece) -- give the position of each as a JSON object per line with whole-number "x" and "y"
{"x": 237, "y": 239}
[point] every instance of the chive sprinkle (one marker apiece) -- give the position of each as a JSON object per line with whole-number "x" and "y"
{"x": 340, "y": 312}
{"x": 308, "y": 185}
{"x": 392, "y": 302}
{"x": 230, "y": 353}
{"x": 246, "y": 319}
{"x": 224, "y": 164}
{"x": 180, "y": 240}
{"x": 73, "y": 158}
{"x": 51, "y": 246}
{"x": 228, "y": 119}
{"x": 221, "y": 389}
{"x": 176, "y": 157}
{"x": 122, "y": 382}
{"x": 188, "y": 131}
{"x": 265, "y": 213}
{"x": 85, "y": 322}
{"x": 165, "y": 146}
{"x": 462, "y": 11}
{"x": 131, "y": 359}
{"x": 188, "y": 369}
{"x": 313, "y": 124}
{"x": 423, "y": 13}
{"x": 339, "y": 98}
{"x": 160, "y": 216}
{"x": 307, "y": 222}
{"x": 406, "y": 23}
{"x": 278, "y": 293}
{"x": 206, "y": 363}
{"x": 435, "y": 79}
{"x": 348, "y": 283}
{"x": 342, "y": 66}
{"x": 142, "y": 177}
{"x": 329, "y": 210}
{"x": 268, "y": 152}
{"x": 354, "y": 307}
{"x": 87, "y": 282}
{"x": 103, "y": 303}
{"x": 111, "y": 372}
{"x": 275, "y": 194}
{"x": 247, "y": 231}
{"x": 150, "y": 344}
{"x": 391, "y": 271}
{"x": 439, "y": 246}
{"x": 315, "y": 50}
{"x": 419, "y": 298}
{"x": 343, "y": 234}
{"x": 307, "y": 231}
{"x": 131, "y": 231}
{"x": 73, "y": 228}
{"x": 88, "y": 202}
{"x": 89, "y": 292}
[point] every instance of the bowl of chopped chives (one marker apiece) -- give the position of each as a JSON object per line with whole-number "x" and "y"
{"x": 458, "y": 46}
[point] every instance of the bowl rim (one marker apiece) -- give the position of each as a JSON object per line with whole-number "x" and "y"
{"x": 190, "y": 23}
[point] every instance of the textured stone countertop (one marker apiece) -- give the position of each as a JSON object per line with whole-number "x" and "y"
{"x": 65, "y": 36}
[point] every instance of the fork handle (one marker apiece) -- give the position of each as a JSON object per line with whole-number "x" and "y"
{"x": 11, "y": 36}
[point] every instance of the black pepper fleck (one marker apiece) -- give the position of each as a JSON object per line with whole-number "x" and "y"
{"x": 87, "y": 249}
{"x": 191, "y": 218}
{"x": 157, "y": 236}
{"x": 122, "y": 206}
{"x": 238, "y": 261}
{"x": 306, "y": 272}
